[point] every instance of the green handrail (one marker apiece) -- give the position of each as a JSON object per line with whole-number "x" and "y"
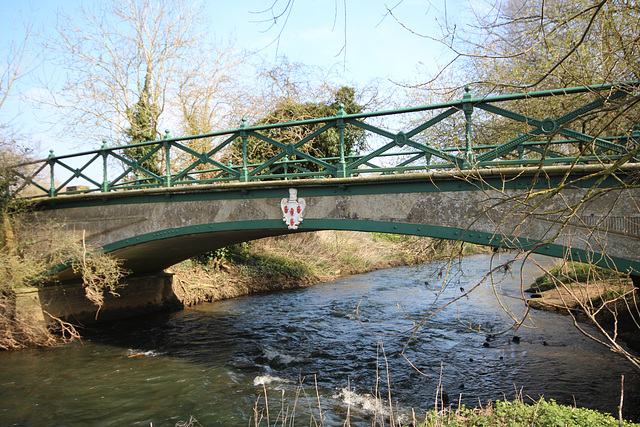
{"x": 398, "y": 151}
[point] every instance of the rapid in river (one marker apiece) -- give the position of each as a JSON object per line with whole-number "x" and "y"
{"x": 333, "y": 351}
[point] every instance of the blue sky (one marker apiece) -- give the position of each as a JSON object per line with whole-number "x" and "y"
{"x": 377, "y": 47}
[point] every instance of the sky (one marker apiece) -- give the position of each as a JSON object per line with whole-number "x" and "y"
{"x": 377, "y": 46}
{"x": 359, "y": 44}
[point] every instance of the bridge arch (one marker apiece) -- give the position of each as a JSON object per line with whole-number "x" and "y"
{"x": 152, "y": 252}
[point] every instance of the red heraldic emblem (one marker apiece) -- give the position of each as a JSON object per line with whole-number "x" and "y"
{"x": 293, "y": 209}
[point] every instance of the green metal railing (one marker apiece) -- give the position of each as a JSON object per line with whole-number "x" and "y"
{"x": 543, "y": 141}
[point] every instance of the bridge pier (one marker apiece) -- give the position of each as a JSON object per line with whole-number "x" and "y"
{"x": 67, "y": 301}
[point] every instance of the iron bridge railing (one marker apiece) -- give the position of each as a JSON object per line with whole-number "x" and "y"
{"x": 397, "y": 152}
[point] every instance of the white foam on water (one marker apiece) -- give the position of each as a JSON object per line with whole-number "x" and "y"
{"x": 368, "y": 403}
{"x": 365, "y": 402}
{"x": 269, "y": 379}
{"x": 134, "y": 352}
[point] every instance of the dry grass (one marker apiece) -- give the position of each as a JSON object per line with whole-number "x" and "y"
{"x": 323, "y": 256}
{"x": 314, "y": 258}
{"x": 333, "y": 253}
{"x": 20, "y": 333}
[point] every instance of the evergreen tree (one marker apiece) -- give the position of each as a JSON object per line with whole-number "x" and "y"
{"x": 325, "y": 145}
{"x": 143, "y": 118}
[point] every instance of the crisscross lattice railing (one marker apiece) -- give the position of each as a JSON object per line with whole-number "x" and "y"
{"x": 470, "y": 133}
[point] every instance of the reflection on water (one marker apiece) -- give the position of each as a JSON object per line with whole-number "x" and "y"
{"x": 337, "y": 339}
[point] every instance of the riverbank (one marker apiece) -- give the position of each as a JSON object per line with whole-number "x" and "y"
{"x": 592, "y": 295}
{"x": 301, "y": 260}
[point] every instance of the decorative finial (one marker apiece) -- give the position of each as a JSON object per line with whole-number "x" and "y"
{"x": 467, "y": 94}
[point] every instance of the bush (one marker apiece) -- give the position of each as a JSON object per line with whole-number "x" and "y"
{"x": 504, "y": 413}
{"x": 253, "y": 264}
{"x": 272, "y": 266}
{"x": 30, "y": 255}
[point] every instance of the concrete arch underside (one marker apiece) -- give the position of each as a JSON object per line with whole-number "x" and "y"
{"x": 154, "y": 229}
{"x": 148, "y": 254}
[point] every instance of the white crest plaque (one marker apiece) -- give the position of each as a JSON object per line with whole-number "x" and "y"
{"x": 293, "y": 209}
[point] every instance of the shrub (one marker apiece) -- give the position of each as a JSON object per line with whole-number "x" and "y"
{"x": 518, "y": 414}
{"x": 30, "y": 254}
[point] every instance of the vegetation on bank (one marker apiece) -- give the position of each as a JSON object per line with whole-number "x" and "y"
{"x": 516, "y": 413}
{"x": 604, "y": 298}
{"x": 298, "y": 260}
{"x": 29, "y": 256}
{"x": 538, "y": 412}
{"x": 573, "y": 273}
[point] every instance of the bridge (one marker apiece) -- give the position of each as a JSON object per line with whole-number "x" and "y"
{"x": 479, "y": 170}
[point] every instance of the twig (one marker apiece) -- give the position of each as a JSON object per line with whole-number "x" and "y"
{"x": 315, "y": 380}
{"x": 621, "y": 401}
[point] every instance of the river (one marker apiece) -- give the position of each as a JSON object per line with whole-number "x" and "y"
{"x": 324, "y": 352}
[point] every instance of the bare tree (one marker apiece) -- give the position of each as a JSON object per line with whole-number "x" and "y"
{"x": 210, "y": 98}
{"x": 525, "y": 45}
{"x": 111, "y": 53}
{"x": 17, "y": 61}
{"x": 522, "y": 44}
{"x": 285, "y": 86}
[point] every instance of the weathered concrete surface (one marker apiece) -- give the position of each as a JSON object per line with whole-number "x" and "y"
{"x": 154, "y": 229}
{"x": 137, "y": 296}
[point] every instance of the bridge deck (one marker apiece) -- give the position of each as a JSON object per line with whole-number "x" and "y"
{"x": 154, "y": 228}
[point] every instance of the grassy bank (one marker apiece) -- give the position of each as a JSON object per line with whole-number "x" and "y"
{"x": 301, "y": 260}
{"x": 518, "y": 414}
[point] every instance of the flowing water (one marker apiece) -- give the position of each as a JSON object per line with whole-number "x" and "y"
{"x": 329, "y": 352}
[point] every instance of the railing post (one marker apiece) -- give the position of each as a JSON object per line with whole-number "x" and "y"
{"x": 105, "y": 176}
{"x": 285, "y": 167}
{"x": 167, "y": 159}
{"x": 341, "y": 169}
{"x": 467, "y": 107}
{"x": 521, "y": 153}
{"x": 635, "y": 137}
{"x": 244, "y": 175}
{"x": 52, "y": 181}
